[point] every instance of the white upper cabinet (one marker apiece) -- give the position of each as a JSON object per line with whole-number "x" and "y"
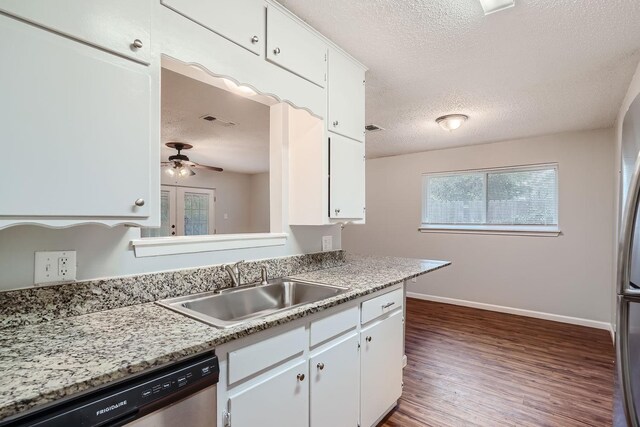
{"x": 76, "y": 123}
{"x": 346, "y": 96}
{"x": 120, "y": 26}
{"x": 242, "y": 22}
{"x": 295, "y": 48}
{"x": 346, "y": 178}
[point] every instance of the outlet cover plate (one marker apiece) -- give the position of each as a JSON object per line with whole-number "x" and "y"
{"x": 54, "y": 267}
{"x": 327, "y": 243}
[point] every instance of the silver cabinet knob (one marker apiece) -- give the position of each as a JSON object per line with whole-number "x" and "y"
{"x": 137, "y": 44}
{"x": 321, "y": 366}
{"x": 139, "y": 202}
{"x": 337, "y": 211}
{"x": 255, "y": 39}
{"x": 336, "y": 123}
{"x": 300, "y": 377}
{"x": 276, "y": 51}
{"x": 368, "y": 339}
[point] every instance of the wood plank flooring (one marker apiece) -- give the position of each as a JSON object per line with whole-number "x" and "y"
{"x": 470, "y": 367}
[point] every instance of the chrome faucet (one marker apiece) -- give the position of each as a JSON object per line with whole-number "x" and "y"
{"x": 234, "y": 273}
{"x": 264, "y": 273}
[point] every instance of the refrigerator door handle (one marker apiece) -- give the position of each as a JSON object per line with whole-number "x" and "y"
{"x": 626, "y": 234}
{"x": 622, "y": 349}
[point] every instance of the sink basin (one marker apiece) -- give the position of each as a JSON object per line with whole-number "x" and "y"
{"x": 234, "y": 306}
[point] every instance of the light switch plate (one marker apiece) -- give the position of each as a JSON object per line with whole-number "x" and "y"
{"x": 54, "y": 267}
{"x": 327, "y": 243}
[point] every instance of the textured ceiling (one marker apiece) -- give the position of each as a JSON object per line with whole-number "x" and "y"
{"x": 543, "y": 66}
{"x": 242, "y": 148}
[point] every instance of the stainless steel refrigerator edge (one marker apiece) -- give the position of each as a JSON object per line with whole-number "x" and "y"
{"x": 628, "y": 287}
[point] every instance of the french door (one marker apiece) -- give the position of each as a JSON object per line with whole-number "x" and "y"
{"x": 184, "y": 211}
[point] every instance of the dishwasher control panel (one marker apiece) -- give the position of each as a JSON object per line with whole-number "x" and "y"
{"x": 126, "y": 401}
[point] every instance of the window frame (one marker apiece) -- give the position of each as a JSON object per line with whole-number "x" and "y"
{"x": 485, "y": 228}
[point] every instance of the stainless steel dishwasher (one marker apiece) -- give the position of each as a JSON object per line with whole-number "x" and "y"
{"x": 183, "y": 394}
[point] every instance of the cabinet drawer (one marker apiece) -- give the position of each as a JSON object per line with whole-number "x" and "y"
{"x": 242, "y": 22}
{"x": 378, "y": 306}
{"x": 109, "y": 24}
{"x": 331, "y": 326}
{"x": 266, "y": 353}
{"x": 295, "y": 48}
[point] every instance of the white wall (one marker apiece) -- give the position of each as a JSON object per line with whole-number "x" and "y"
{"x": 234, "y": 198}
{"x": 569, "y": 275}
{"x": 260, "y": 217}
{"x": 632, "y": 93}
{"x": 106, "y": 252}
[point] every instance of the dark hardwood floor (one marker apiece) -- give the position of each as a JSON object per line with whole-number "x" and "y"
{"x": 469, "y": 367}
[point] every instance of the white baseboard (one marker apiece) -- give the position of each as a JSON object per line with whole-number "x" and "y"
{"x": 518, "y": 311}
{"x": 612, "y": 331}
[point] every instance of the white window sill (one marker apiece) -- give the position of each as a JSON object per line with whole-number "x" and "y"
{"x": 157, "y": 246}
{"x": 512, "y": 230}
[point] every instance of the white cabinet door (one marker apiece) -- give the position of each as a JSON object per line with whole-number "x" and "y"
{"x": 381, "y": 367}
{"x": 75, "y": 126}
{"x": 346, "y": 178}
{"x": 295, "y": 48}
{"x": 110, "y": 24}
{"x": 281, "y": 400}
{"x": 242, "y": 22}
{"x": 334, "y": 379}
{"x": 346, "y": 96}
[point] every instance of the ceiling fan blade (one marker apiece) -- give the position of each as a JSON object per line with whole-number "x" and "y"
{"x": 213, "y": 168}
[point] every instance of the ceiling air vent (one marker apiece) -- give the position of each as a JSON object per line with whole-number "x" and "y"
{"x": 373, "y": 128}
{"x": 219, "y": 120}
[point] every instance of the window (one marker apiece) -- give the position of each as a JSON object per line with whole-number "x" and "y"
{"x": 516, "y": 199}
{"x": 184, "y": 212}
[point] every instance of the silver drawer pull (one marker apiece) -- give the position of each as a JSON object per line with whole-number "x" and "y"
{"x": 387, "y": 305}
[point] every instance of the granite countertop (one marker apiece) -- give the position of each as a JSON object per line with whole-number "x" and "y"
{"x": 44, "y": 362}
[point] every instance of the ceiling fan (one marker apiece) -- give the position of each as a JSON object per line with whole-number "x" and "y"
{"x": 179, "y": 165}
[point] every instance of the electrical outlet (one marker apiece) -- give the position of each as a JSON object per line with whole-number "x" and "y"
{"x": 327, "y": 243}
{"x": 52, "y": 267}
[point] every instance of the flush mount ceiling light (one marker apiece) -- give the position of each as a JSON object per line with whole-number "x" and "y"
{"x": 491, "y": 6}
{"x": 451, "y": 122}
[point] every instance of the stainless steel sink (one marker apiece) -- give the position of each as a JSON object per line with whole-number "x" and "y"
{"x": 236, "y": 305}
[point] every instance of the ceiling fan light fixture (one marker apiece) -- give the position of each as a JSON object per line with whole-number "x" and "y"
{"x": 491, "y": 6}
{"x": 451, "y": 122}
{"x": 185, "y": 171}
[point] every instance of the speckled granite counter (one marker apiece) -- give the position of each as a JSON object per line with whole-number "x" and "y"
{"x": 47, "y": 361}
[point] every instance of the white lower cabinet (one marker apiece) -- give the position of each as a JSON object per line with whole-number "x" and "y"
{"x": 334, "y": 384}
{"x": 330, "y": 370}
{"x": 280, "y": 400}
{"x": 381, "y": 367}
